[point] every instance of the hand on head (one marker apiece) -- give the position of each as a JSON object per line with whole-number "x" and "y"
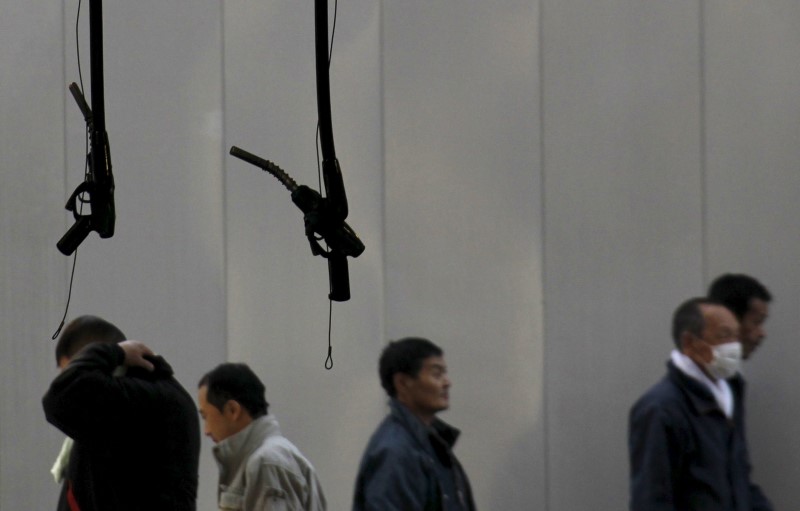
{"x": 135, "y": 351}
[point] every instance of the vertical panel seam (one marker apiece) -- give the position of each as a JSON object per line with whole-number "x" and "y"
{"x": 384, "y": 223}
{"x": 703, "y": 143}
{"x": 543, "y": 230}
{"x": 224, "y": 181}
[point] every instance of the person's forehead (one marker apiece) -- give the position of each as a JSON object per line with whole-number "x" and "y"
{"x": 206, "y": 409}
{"x": 434, "y": 362}
{"x": 718, "y": 315}
{"x": 758, "y": 306}
{"x": 202, "y": 393}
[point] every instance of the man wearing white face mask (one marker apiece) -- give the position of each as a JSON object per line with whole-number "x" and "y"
{"x": 686, "y": 433}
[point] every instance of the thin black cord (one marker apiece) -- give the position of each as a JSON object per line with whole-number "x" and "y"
{"x": 85, "y": 173}
{"x": 329, "y": 360}
{"x": 69, "y": 296}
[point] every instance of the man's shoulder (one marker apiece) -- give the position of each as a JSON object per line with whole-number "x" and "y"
{"x": 664, "y": 388}
{"x": 664, "y": 394}
{"x": 274, "y": 445}
{"x": 163, "y": 389}
{"x": 277, "y": 451}
{"x": 392, "y": 438}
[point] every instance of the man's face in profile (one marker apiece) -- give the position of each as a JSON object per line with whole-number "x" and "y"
{"x": 721, "y": 327}
{"x": 752, "y": 326}
{"x": 429, "y": 391}
{"x": 217, "y": 423}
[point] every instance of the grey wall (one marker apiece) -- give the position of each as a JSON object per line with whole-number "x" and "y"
{"x": 623, "y": 231}
{"x": 463, "y": 224}
{"x": 752, "y": 178}
{"x": 32, "y": 163}
{"x": 538, "y": 184}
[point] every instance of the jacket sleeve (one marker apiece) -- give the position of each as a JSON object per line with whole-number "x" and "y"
{"x": 654, "y": 457}
{"x": 87, "y": 402}
{"x": 392, "y": 479}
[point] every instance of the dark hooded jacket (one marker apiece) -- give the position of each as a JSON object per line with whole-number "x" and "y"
{"x": 137, "y": 436}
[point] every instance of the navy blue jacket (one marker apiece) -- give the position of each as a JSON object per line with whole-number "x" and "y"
{"x": 410, "y": 467}
{"x": 685, "y": 454}
{"x": 137, "y": 437}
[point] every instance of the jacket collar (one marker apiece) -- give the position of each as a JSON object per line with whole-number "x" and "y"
{"x": 699, "y": 396}
{"x": 236, "y": 448}
{"x": 720, "y": 389}
{"x": 419, "y": 430}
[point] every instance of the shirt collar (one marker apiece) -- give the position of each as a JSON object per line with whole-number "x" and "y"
{"x": 719, "y": 388}
{"x": 59, "y": 469}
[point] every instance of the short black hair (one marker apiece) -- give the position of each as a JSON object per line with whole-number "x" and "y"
{"x": 235, "y": 381}
{"x": 85, "y": 330}
{"x": 688, "y": 317}
{"x": 735, "y": 291}
{"x": 404, "y": 356}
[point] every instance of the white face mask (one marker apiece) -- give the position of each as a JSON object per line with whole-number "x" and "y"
{"x": 727, "y": 360}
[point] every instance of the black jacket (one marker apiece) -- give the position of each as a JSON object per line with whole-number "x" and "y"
{"x": 685, "y": 454}
{"x": 137, "y": 436}
{"x": 406, "y": 467}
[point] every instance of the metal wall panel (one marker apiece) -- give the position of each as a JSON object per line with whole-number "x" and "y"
{"x": 31, "y": 195}
{"x": 623, "y": 224}
{"x": 463, "y": 225}
{"x": 753, "y": 128}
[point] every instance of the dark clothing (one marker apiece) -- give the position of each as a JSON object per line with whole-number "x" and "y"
{"x": 758, "y": 501}
{"x": 137, "y": 436}
{"x": 408, "y": 466}
{"x": 685, "y": 454}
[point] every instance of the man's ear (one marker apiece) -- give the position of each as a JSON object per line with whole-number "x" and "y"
{"x": 687, "y": 342}
{"x": 232, "y": 409}
{"x": 401, "y": 381}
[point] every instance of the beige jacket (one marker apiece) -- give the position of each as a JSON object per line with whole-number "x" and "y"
{"x": 260, "y": 470}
